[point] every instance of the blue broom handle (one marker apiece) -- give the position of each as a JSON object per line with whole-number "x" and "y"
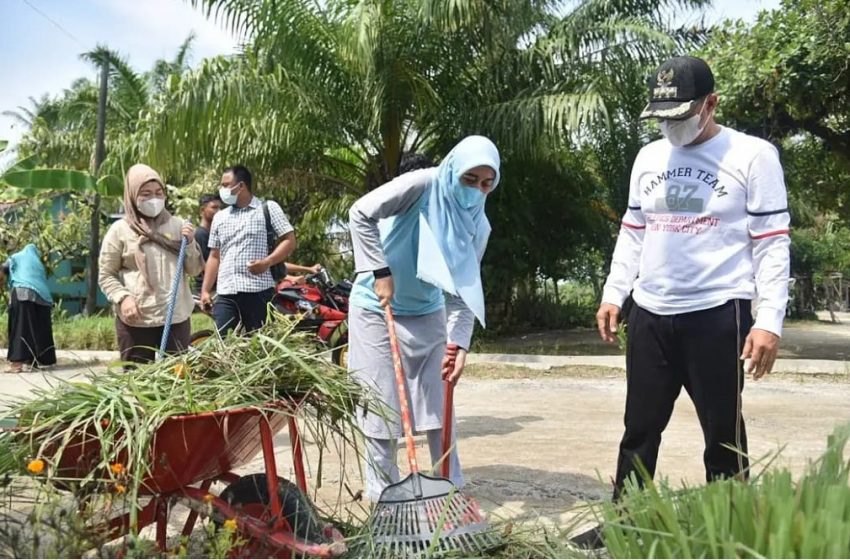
{"x": 172, "y": 300}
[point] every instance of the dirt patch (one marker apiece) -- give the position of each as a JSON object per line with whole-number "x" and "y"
{"x": 814, "y": 340}
{"x": 506, "y": 371}
{"x": 499, "y": 371}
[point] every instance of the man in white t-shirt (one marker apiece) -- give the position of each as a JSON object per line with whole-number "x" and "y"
{"x": 704, "y": 234}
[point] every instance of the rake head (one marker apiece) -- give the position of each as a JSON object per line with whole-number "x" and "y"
{"x": 440, "y": 520}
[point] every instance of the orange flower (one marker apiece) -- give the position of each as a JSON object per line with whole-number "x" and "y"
{"x": 36, "y": 466}
{"x": 208, "y": 498}
{"x": 230, "y": 525}
{"x": 181, "y": 369}
{"x": 117, "y": 469}
{"x": 120, "y": 488}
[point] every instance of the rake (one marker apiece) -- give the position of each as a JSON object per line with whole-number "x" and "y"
{"x": 424, "y": 515}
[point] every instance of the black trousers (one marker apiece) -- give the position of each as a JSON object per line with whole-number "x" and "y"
{"x": 248, "y": 308}
{"x": 141, "y": 344}
{"x": 30, "y": 332}
{"x": 698, "y": 351}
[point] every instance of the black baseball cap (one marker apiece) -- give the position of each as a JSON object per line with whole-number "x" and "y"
{"x": 676, "y": 86}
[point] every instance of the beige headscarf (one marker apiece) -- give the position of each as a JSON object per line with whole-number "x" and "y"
{"x": 147, "y": 228}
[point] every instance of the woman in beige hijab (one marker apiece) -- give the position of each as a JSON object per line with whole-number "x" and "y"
{"x": 138, "y": 261}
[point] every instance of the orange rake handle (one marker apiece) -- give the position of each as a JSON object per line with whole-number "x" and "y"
{"x": 448, "y": 409}
{"x": 403, "y": 402}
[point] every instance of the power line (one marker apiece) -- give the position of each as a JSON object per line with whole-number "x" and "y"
{"x": 55, "y": 23}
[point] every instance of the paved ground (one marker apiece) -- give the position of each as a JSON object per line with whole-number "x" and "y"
{"x": 536, "y": 444}
{"x": 540, "y": 445}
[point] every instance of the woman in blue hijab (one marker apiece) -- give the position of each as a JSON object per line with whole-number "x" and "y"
{"x": 30, "y": 305}
{"x": 418, "y": 242}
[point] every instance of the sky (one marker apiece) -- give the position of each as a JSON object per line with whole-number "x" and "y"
{"x": 41, "y": 40}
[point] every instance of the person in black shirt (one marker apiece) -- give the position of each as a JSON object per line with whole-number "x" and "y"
{"x": 208, "y": 205}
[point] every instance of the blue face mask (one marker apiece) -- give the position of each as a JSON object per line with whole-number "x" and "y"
{"x": 468, "y": 197}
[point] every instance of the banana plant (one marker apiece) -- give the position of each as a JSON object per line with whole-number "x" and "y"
{"x": 25, "y": 179}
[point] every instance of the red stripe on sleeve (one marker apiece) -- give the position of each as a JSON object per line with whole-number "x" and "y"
{"x": 632, "y": 226}
{"x": 771, "y": 234}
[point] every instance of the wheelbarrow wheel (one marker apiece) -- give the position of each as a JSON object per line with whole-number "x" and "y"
{"x": 340, "y": 353}
{"x": 250, "y": 496}
{"x": 339, "y": 342}
{"x": 197, "y": 338}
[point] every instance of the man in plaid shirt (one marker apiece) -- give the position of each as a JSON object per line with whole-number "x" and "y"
{"x": 239, "y": 256}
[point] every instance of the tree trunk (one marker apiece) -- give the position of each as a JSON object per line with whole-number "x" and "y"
{"x": 99, "y": 155}
{"x": 391, "y": 131}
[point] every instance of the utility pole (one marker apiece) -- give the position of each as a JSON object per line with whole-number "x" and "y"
{"x": 99, "y": 155}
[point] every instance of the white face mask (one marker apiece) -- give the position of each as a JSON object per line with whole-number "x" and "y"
{"x": 151, "y": 207}
{"x": 226, "y": 196}
{"x": 684, "y": 132}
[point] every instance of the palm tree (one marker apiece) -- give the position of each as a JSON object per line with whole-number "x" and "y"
{"x": 59, "y": 147}
{"x": 343, "y": 88}
{"x": 61, "y": 130}
{"x": 326, "y": 96}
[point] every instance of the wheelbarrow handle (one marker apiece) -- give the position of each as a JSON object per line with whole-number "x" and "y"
{"x": 448, "y": 409}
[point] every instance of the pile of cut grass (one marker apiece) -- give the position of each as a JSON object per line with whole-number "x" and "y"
{"x": 124, "y": 409}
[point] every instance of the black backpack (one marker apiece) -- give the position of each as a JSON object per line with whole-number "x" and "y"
{"x": 278, "y": 270}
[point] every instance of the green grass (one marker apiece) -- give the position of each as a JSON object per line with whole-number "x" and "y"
{"x": 91, "y": 333}
{"x": 772, "y": 516}
{"x": 580, "y": 341}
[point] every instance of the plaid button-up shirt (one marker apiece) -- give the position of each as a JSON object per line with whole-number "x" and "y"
{"x": 240, "y": 236}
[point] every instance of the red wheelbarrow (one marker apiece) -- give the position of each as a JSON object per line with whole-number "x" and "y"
{"x": 191, "y": 452}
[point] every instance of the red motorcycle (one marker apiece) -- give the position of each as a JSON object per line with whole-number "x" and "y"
{"x": 321, "y": 306}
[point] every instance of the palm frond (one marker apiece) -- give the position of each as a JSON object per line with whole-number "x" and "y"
{"x": 23, "y": 116}
{"x": 242, "y": 17}
{"x": 127, "y": 82}
{"x": 181, "y": 59}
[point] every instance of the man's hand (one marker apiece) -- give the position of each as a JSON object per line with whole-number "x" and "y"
{"x": 206, "y": 301}
{"x": 188, "y": 231}
{"x": 129, "y": 310}
{"x": 258, "y": 267}
{"x": 315, "y": 269}
{"x": 761, "y": 347}
{"x": 606, "y": 320}
{"x": 384, "y": 289}
{"x": 453, "y": 364}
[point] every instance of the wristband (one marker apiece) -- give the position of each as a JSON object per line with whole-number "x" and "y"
{"x": 382, "y": 273}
